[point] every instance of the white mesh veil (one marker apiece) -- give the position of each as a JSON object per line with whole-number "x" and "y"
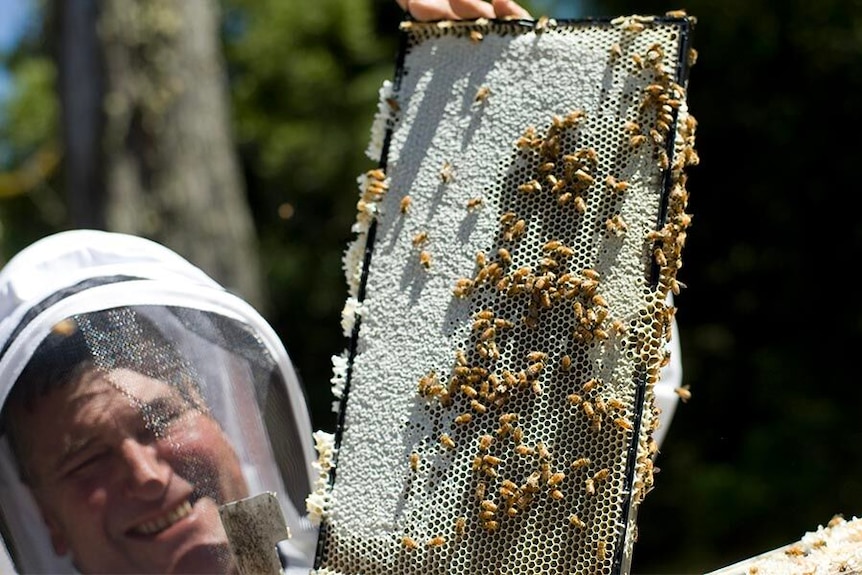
{"x": 128, "y": 303}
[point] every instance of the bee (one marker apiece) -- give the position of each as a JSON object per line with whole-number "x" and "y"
{"x": 547, "y": 167}
{"x": 655, "y": 53}
{"x": 405, "y": 204}
{"x": 602, "y": 475}
{"x": 409, "y": 542}
{"x": 588, "y": 408}
{"x": 528, "y": 139}
{"x": 427, "y": 381}
{"x": 447, "y": 172}
{"x": 478, "y": 406}
{"x": 615, "y": 225}
{"x": 683, "y": 392}
{"x": 542, "y": 23}
{"x": 536, "y": 356}
{"x": 481, "y": 261}
{"x": 636, "y": 140}
{"x": 620, "y": 186}
{"x": 376, "y": 174}
{"x": 491, "y": 525}
{"x": 425, "y": 259}
{"x": 488, "y": 505}
{"x": 615, "y": 403}
{"x": 508, "y": 417}
{"x": 525, "y": 450}
{"x": 64, "y": 327}
{"x": 530, "y": 187}
{"x": 420, "y": 238}
{"x": 487, "y": 515}
{"x": 638, "y": 60}
{"x": 447, "y": 441}
{"x": 574, "y": 398}
{"x": 565, "y": 363}
{"x": 542, "y": 451}
{"x": 485, "y": 442}
{"x": 463, "y": 418}
{"x": 580, "y": 205}
{"x": 590, "y": 273}
{"x": 491, "y": 460}
{"x": 474, "y": 203}
{"x": 623, "y": 424}
{"x": 676, "y": 14}
{"x": 508, "y": 218}
{"x": 518, "y": 228}
{"x": 577, "y": 522}
{"x": 692, "y": 57}
{"x": 556, "y": 478}
{"x": 463, "y": 287}
{"x": 580, "y": 463}
{"x": 476, "y": 36}
{"x": 601, "y": 550}
{"x": 482, "y": 94}
{"x": 590, "y": 486}
{"x": 557, "y": 495}
{"x": 438, "y": 541}
{"x": 414, "y": 461}
{"x": 487, "y": 334}
{"x": 517, "y": 435}
{"x": 460, "y": 526}
{"x": 469, "y": 391}
{"x": 590, "y": 385}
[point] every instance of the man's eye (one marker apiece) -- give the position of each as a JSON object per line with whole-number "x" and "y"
{"x": 85, "y": 463}
{"x": 158, "y": 421}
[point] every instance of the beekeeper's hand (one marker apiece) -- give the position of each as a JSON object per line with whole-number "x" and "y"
{"x": 462, "y": 9}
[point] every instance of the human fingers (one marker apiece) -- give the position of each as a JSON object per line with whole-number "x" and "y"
{"x": 509, "y": 9}
{"x": 424, "y": 10}
{"x": 403, "y": 4}
{"x": 472, "y": 9}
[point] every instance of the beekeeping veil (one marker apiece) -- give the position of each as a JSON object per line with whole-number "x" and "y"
{"x": 126, "y": 302}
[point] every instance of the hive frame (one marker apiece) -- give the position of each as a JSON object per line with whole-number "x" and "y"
{"x": 508, "y": 311}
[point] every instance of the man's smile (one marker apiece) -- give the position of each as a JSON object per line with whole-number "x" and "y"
{"x": 163, "y": 521}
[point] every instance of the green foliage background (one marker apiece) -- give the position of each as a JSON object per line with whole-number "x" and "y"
{"x": 770, "y": 445}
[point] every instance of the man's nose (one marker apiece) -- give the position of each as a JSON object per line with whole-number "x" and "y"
{"x": 148, "y": 474}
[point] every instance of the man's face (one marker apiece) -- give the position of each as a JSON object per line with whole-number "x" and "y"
{"x": 129, "y": 475}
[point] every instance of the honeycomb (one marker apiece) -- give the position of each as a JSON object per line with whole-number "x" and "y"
{"x": 508, "y": 306}
{"x": 831, "y": 549}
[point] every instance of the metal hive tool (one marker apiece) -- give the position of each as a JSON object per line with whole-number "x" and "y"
{"x": 508, "y": 310}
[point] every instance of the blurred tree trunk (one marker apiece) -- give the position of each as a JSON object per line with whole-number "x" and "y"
{"x": 147, "y": 132}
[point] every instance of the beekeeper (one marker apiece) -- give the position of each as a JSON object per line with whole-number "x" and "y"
{"x": 139, "y": 396}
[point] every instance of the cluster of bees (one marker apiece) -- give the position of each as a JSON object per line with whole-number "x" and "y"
{"x": 372, "y": 191}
